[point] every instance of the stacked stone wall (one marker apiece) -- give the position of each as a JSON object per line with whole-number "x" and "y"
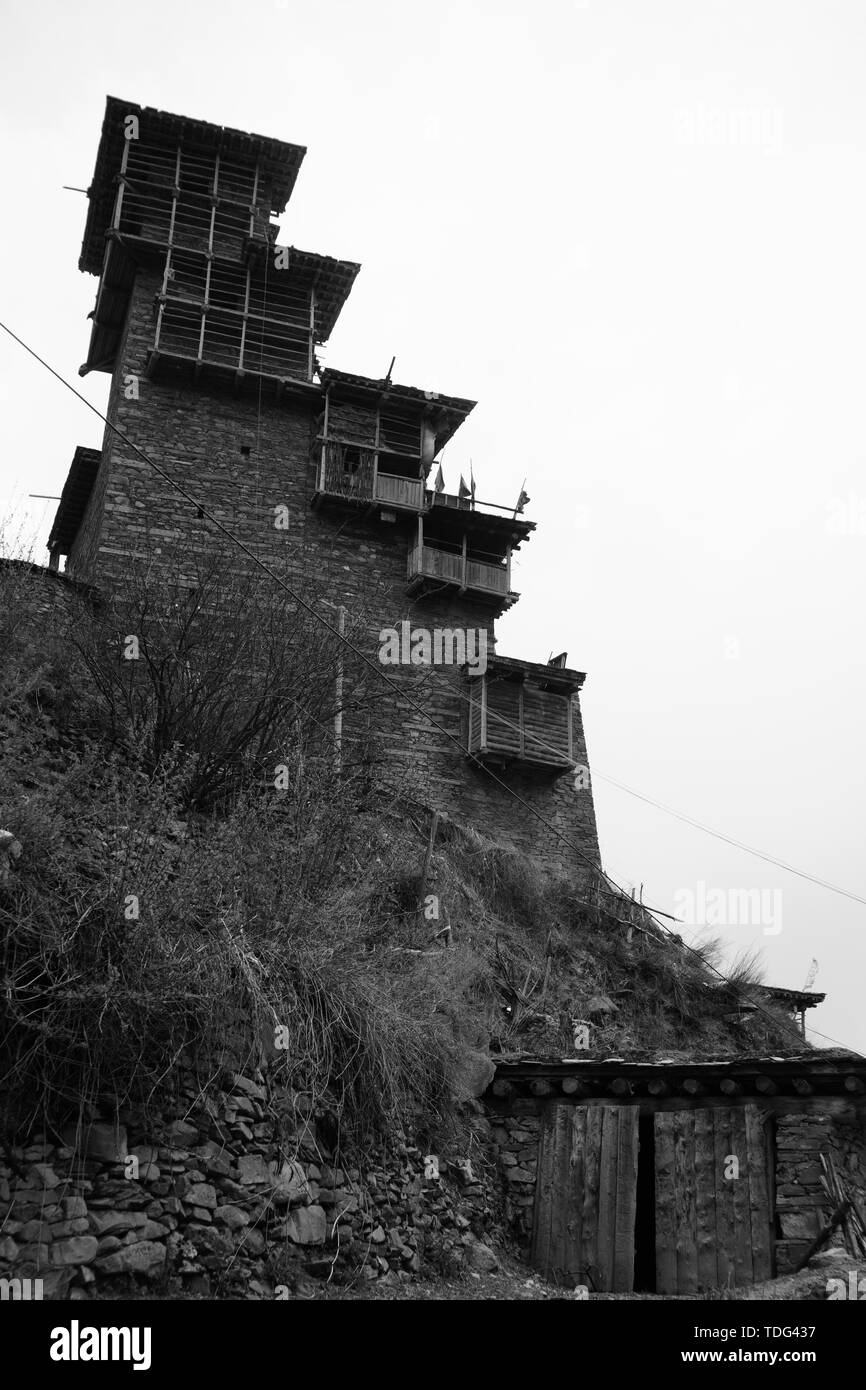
{"x": 801, "y": 1204}
{"x": 248, "y": 1196}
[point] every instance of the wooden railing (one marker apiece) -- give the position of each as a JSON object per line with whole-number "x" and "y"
{"x": 339, "y": 479}
{"x": 399, "y": 492}
{"x": 448, "y": 567}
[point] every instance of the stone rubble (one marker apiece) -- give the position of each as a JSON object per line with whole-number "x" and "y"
{"x": 240, "y": 1196}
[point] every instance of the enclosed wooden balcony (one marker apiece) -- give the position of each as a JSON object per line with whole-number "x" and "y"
{"x": 352, "y": 473}
{"x": 463, "y": 552}
{"x": 460, "y": 569}
{"x": 520, "y": 714}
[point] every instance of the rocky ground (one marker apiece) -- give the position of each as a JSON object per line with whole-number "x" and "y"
{"x": 515, "y": 1283}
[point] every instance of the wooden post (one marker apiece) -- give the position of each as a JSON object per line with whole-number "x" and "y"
{"x": 323, "y": 476}
{"x": 376, "y": 455}
{"x": 210, "y": 238}
{"x": 470, "y": 718}
{"x": 573, "y": 1086}
{"x": 158, "y": 325}
{"x": 244, "y": 321}
{"x": 541, "y": 1089}
{"x": 174, "y": 197}
{"x": 200, "y": 353}
{"x": 338, "y": 692}
{"x": 312, "y": 333}
{"x": 835, "y": 1220}
{"x": 483, "y": 744}
{"x": 425, "y": 872}
{"x": 520, "y": 721}
{"x": 254, "y": 201}
{"x": 121, "y": 185}
{"x": 463, "y": 566}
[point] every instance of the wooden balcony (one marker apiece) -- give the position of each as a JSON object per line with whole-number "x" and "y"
{"x": 513, "y": 720}
{"x": 351, "y": 474}
{"x": 407, "y": 493}
{"x": 460, "y": 569}
{"x": 431, "y": 568}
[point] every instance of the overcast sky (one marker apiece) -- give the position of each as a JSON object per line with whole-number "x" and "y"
{"x": 635, "y": 233}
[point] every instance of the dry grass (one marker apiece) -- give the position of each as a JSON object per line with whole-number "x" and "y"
{"x": 259, "y": 911}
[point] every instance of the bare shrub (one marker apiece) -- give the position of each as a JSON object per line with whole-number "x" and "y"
{"x": 220, "y": 663}
{"x": 172, "y": 895}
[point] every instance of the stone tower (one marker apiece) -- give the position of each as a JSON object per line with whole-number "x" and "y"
{"x": 209, "y": 329}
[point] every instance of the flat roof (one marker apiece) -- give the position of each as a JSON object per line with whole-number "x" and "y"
{"x": 828, "y": 1071}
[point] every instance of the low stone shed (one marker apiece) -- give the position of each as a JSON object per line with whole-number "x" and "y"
{"x": 674, "y": 1177}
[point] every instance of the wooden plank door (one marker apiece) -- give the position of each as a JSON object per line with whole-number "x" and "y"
{"x": 712, "y": 1228}
{"x": 585, "y": 1196}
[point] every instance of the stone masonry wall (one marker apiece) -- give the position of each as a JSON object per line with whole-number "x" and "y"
{"x": 210, "y": 1201}
{"x": 45, "y": 592}
{"x": 196, "y": 433}
{"x": 802, "y": 1206}
{"x": 516, "y": 1141}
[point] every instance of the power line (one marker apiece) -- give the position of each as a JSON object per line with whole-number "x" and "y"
{"x": 689, "y": 820}
{"x": 539, "y": 742}
{"x": 202, "y": 510}
{"x": 375, "y": 666}
{"x": 729, "y": 840}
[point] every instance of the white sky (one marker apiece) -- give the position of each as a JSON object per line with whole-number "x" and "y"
{"x": 635, "y": 234}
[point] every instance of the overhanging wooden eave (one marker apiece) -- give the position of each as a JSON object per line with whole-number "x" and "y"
{"x": 825, "y": 1073}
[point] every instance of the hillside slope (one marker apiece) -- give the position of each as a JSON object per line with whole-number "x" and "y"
{"x": 142, "y": 918}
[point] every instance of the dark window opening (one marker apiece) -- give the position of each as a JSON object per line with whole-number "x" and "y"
{"x": 645, "y": 1213}
{"x": 400, "y": 466}
{"x": 351, "y": 458}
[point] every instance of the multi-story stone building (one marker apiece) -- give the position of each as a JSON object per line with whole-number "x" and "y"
{"x": 209, "y": 329}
